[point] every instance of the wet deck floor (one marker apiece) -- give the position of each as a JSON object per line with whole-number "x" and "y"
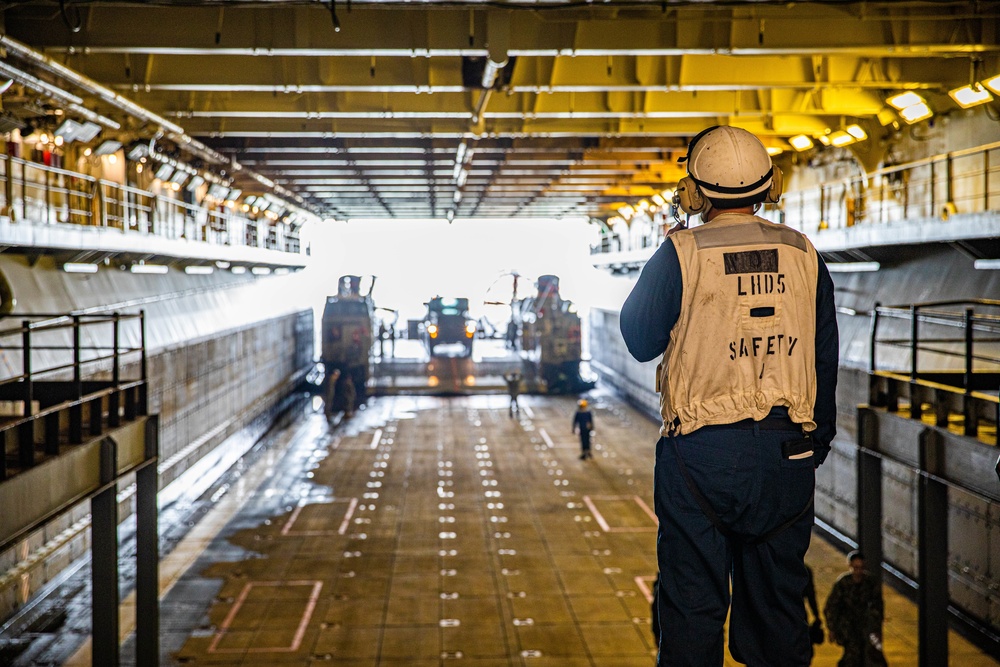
{"x": 437, "y": 531}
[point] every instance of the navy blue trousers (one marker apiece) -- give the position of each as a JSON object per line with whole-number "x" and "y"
{"x": 752, "y": 489}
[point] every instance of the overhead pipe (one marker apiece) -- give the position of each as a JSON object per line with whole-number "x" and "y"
{"x": 70, "y": 101}
{"x": 172, "y": 130}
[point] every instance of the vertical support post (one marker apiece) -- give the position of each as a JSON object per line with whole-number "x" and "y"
{"x": 986, "y": 180}
{"x": 147, "y": 605}
{"x": 949, "y": 186}
{"x": 144, "y": 389}
{"x": 26, "y": 430}
{"x": 76, "y": 411}
{"x": 932, "y": 188}
{"x": 869, "y": 492}
{"x": 916, "y": 395}
{"x": 932, "y": 554}
{"x": 872, "y": 337}
{"x": 8, "y": 184}
{"x": 29, "y": 389}
{"x": 115, "y": 398}
{"x": 104, "y": 562}
{"x": 24, "y": 190}
{"x": 969, "y": 316}
{"x": 970, "y": 416}
{"x": 48, "y": 196}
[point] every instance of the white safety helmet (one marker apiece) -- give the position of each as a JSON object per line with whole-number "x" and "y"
{"x": 730, "y": 168}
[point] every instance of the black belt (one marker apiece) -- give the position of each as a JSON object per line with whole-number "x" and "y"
{"x": 776, "y": 420}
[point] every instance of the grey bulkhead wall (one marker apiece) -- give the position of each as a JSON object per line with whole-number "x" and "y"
{"x": 188, "y": 318}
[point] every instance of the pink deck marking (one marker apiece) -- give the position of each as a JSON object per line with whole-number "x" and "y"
{"x": 287, "y": 528}
{"x": 603, "y": 523}
{"x": 299, "y": 632}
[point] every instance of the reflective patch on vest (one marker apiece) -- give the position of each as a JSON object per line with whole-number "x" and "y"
{"x": 751, "y": 261}
{"x": 707, "y": 236}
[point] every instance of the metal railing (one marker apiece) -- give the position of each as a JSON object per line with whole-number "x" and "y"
{"x": 41, "y": 194}
{"x": 69, "y": 365}
{"x": 935, "y": 187}
{"x": 940, "y": 186}
{"x": 950, "y": 359}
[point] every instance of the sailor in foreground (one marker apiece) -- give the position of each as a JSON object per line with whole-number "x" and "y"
{"x": 741, "y": 312}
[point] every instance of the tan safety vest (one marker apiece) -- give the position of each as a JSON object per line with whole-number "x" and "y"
{"x": 745, "y": 340}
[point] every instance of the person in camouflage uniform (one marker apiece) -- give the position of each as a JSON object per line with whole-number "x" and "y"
{"x": 854, "y": 613}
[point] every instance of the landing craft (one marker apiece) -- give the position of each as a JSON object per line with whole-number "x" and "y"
{"x": 550, "y": 338}
{"x": 348, "y": 323}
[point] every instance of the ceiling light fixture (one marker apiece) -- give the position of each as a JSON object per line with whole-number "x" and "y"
{"x": 912, "y": 107}
{"x": 841, "y": 139}
{"x": 853, "y": 267}
{"x": 993, "y": 83}
{"x": 987, "y": 264}
{"x": 970, "y": 96}
{"x": 800, "y": 142}
{"x": 915, "y": 113}
{"x": 199, "y": 270}
{"x": 148, "y": 268}
{"x": 79, "y": 267}
{"x": 857, "y": 132}
{"x": 903, "y": 100}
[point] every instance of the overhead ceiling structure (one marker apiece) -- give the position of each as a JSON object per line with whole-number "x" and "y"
{"x": 465, "y": 108}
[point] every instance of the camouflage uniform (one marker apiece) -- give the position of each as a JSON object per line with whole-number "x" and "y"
{"x": 853, "y": 611}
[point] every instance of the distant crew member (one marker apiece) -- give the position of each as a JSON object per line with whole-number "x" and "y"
{"x": 511, "y": 335}
{"x": 741, "y": 313}
{"x": 383, "y": 333}
{"x": 854, "y": 614}
{"x": 331, "y": 391}
{"x": 816, "y": 635}
{"x": 392, "y": 341}
{"x": 584, "y": 422}
{"x": 513, "y": 380}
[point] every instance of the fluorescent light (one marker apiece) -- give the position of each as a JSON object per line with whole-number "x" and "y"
{"x": 986, "y": 264}
{"x": 78, "y": 267}
{"x": 68, "y": 130}
{"x": 857, "y": 132}
{"x": 239, "y": 270}
{"x": 87, "y": 132}
{"x": 993, "y": 84}
{"x": 659, "y": 200}
{"x": 773, "y": 150}
{"x": 107, "y": 147}
{"x": 148, "y": 268}
{"x": 283, "y": 271}
{"x": 222, "y": 264}
{"x": 841, "y": 138}
{"x": 904, "y": 100}
{"x": 970, "y": 96}
{"x": 199, "y": 270}
{"x": 823, "y": 139}
{"x": 915, "y": 113}
{"x": 260, "y": 271}
{"x": 800, "y": 142}
{"x": 853, "y": 267}
{"x": 626, "y": 211}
